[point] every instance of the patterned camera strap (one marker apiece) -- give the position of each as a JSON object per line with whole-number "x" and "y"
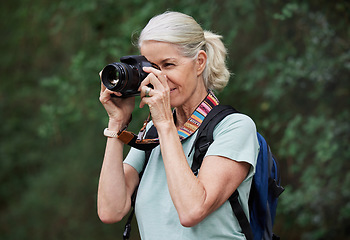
{"x": 184, "y": 132}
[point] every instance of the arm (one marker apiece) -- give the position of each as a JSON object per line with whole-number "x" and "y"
{"x": 116, "y": 184}
{"x": 195, "y": 198}
{"x": 117, "y": 181}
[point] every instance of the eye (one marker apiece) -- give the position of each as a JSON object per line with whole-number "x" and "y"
{"x": 168, "y": 64}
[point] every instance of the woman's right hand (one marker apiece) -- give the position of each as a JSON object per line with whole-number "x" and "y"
{"x": 118, "y": 109}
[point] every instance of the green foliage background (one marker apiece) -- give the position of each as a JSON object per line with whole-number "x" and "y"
{"x": 291, "y": 65}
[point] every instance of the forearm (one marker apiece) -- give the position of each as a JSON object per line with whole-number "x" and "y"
{"x": 113, "y": 201}
{"x": 187, "y": 192}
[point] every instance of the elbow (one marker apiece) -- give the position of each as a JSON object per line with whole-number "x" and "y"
{"x": 188, "y": 222}
{"x": 109, "y": 217}
{"x": 191, "y": 218}
{"x": 111, "y": 213}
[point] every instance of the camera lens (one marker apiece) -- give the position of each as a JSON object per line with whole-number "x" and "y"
{"x": 114, "y": 76}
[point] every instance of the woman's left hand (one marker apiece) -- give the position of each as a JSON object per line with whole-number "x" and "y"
{"x": 157, "y": 98}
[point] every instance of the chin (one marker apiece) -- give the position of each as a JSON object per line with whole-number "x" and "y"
{"x": 175, "y": 102}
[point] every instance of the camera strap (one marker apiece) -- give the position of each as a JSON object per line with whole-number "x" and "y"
{"x": 192, "y": 124}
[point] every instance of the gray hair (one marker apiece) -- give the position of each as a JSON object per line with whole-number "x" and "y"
{"x": 182, "y": 30}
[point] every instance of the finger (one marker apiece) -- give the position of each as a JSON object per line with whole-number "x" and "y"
{"x": 163, "y": 79}
{"x": 152, "y": 70}
{"x": 106, "y": 91}
{"x": 143, "y": 101}
{"x": 104, "y": 97}
{"x": 103, "y": 88}
{"x": 156, "y": 72}
{"x": 105, "y": 94}
{"x": 146, "y": 91}
{"x": 153, "y": 80}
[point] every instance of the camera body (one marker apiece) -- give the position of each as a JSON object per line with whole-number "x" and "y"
{"x": 126, "y": 76}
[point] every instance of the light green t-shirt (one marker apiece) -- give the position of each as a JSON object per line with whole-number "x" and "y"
{"x": 235, "y": 138}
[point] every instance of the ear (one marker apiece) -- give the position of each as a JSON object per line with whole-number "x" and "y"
{"x": 201, "y": 62}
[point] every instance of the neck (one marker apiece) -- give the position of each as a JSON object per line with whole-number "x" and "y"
{"x": 184, "y": 112}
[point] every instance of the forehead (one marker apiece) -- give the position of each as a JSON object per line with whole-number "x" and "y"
{"x": 158, "y": 51}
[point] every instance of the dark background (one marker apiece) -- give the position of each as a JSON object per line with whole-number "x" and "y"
{"x": 291, "y": 65}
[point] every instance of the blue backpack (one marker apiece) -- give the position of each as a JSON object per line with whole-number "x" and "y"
{"x": 265, "y": 188}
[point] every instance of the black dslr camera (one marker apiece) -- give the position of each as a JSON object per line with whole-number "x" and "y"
{"x": 126, "y": 76}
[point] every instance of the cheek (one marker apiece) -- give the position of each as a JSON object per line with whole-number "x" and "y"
{"x": 184, "y": 79}
{"x": 174, "y": 78}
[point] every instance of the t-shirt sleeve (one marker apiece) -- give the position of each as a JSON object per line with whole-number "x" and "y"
{"x": 235, "y": 138}
{"x": 136, "y": 159}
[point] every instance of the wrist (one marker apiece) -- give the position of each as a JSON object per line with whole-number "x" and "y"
{"x": 117, "y": 125}
{"x": 166, "y": 129}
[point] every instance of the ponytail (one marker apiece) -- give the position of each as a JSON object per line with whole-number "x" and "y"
{"x": 216, "y": 74}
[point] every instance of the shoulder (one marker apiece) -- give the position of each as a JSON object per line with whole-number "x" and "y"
{"x": 236, "y": 122}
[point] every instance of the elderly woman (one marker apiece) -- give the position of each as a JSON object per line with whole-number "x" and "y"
{"x": 173, "y": 203}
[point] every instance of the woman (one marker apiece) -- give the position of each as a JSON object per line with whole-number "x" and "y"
{"x": 173, "y": 203}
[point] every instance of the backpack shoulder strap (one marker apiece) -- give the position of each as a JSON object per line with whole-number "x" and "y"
{"x": 240, "y": 215}
{"x": 205, "y": 133}
{"x": 151, "y": 133}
